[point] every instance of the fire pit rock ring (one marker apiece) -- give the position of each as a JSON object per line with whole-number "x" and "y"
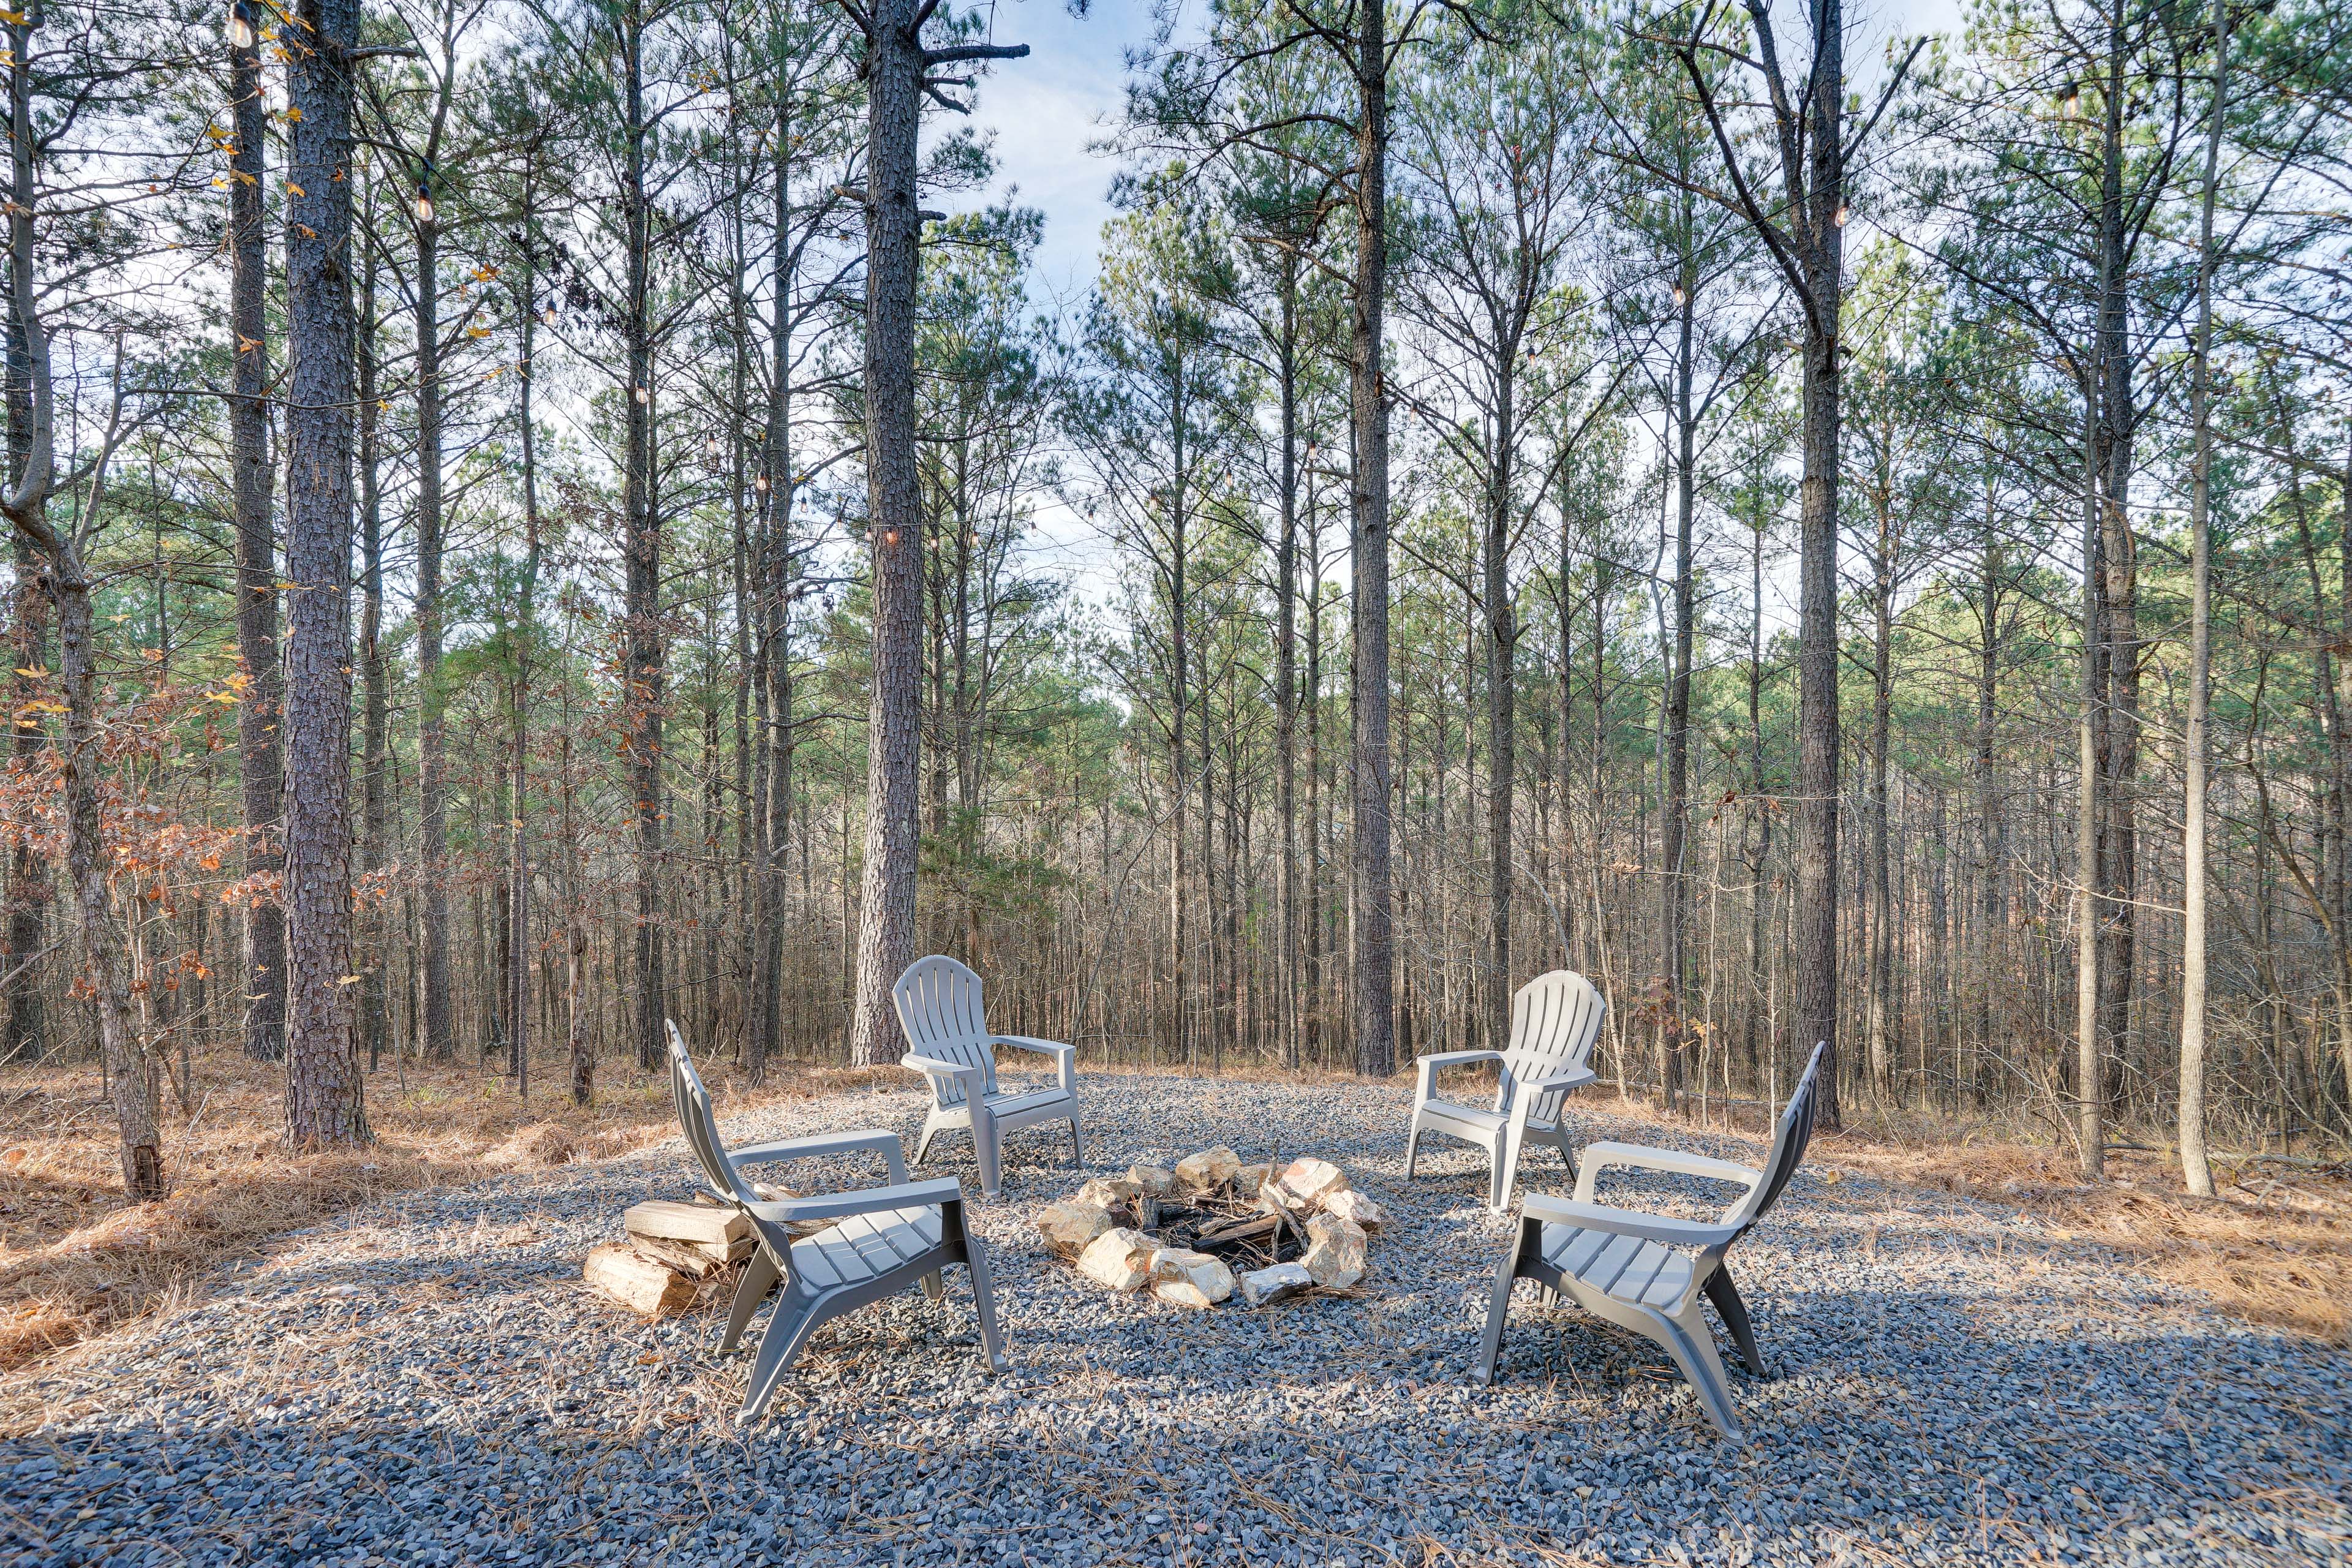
{"x": 1214, "y": 1228}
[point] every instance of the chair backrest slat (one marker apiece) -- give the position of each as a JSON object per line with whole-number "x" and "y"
{"x": 1796, "y": 1130}
{"x": 940, "y": 1006}
{"x": 1554, "y": 1021}
{"x": 700, "y": 1125}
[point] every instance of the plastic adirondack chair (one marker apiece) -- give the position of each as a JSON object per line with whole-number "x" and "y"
{"x": 1624, "y": 1266}
{"x": 940, "y": 1009}
{"x": 886, "y": 1238}
{"x": 1555, "y": 1019}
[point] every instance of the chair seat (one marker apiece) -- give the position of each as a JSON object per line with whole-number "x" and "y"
{"x": 1623, "y": 1267}
{"x": 866, "y": 1245}
{"x": 1477, "y": 1116}
{"x": 1006, "y": 1103}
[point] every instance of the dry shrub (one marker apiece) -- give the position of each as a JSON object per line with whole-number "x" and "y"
{"x": 75, "y": 1259}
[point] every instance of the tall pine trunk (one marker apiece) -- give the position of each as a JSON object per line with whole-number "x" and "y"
{"x": 885, "y": 934}
{"x": 324, "y": 1099}
{"x": 261, "y": 770}
{"x": 1374, "y": 945}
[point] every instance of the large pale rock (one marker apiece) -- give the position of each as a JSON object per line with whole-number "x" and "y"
{"x": 1069, "y": 1225}
{"x": 1120, "y": 1258}
{"x": 1109, "y": 1192}
{"x": 1308, "y": 1182}
{"x": 1335, "y": 1251}
{"x": 1190, "y": 1279}
{"x": 1209, "y": 1170}
{"x": 1153, "y": 1181}
{"x": 1264, "y": 1287}
{"x": 1351, "y": 1204}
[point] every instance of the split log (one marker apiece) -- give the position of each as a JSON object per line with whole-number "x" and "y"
{"x": 688, "y": 1258}
{"x": 638, "y": 1282}
{"x": 668, "y": 1220}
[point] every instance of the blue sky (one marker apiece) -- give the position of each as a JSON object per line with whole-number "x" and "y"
{"x": 1045, "y": 110}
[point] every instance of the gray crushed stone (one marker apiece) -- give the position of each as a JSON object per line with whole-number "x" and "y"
{"x": 427, "y": 1382}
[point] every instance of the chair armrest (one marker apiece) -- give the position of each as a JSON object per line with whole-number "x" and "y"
{"x": 1598, "y": 1157}
{"x": 1024, "y": 1043}
{"x": 1455, "y": 1059}
{"x": 1426, "y": 1067}
{"x": 1526, "y": 1091}
{"x": 885, "y": 1143}
{"x": 1064, "y": 1057}
{"x": 869, "y": 1200}
{"x": 1625, "y": 1222}
{"x": 932, "y": 1066}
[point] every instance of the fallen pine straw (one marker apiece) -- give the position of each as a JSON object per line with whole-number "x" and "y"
{"x": 2284, "y": 1265}
{"x": 76, "y": 1259}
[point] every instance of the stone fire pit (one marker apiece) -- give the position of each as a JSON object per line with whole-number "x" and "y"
{"x": 1213, "y": 1227}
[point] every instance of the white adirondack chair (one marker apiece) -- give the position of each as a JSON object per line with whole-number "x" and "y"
{"x": 1625, "y": 1267}
{"x": 886, "y": 1238}
{"x": 1555, "y": 1019}
{"x": 940, "y": 1009}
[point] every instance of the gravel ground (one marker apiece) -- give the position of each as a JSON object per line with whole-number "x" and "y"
{"x": 427, "y": 1382}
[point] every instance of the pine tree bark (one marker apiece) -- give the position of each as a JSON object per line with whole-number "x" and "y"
{"x": 1673, "y": 892}
{"x": 896, "y": 80}
{"x": 261, "y": 769}
{"x": 440, "y": 1042}
{"x": 324, "y": 1089}
{"x": 1374, "y": 943}
{"x": 2196, "y": 1168}
{"x": 641, "y": 526}
{"x": 375, "y": 700}
{"x": 885, "y": 931}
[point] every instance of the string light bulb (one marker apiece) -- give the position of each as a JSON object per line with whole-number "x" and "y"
{"x": 1679, "y": 297}
{"x": 1840, "y": 219}
{"x": 889, "y": 536}
{"x": 2071, "y": 100}
{"x": 425, "y": 195}
{"x": 644, "y": 397}
{"x": 710, "y": 448}
{"x": 760, "y": 484}
{"x": 548, "y": 315}
{"x": 240, "y": 26}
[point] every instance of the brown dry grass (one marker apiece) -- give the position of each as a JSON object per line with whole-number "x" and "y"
{"x": 76, "y": 1259}
{"x": 2273, "y": 1247}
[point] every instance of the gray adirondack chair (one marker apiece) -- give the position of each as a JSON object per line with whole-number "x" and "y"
{"x": 886, "y": 1238}
{"x": 940, "y": 1009}
{"x": 1555, "y": 1019}
{"x": 1626, "y": 1267}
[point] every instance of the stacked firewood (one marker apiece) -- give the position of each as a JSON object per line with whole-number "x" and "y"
{"x": 671, "y": 1250}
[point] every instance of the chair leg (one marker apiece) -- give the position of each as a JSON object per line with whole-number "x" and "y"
{"x": 1734, "y": 1314}
{"x": 923, "y": 1144}
{"x": 759, "y": 1276}
{"x": 1077, "y": 1145}
{"x": 983, "y": 1301}
{"x": 1506, "y": 1170}
{"x": 984, "y": 1145}
{"x": 787, "y": 1332}
{"x": 1498, "y": 1309}
{"x": 935, "y": 1288}
{"x": 1686, "y": 1339}
{"x": 1413, "y": 1146}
